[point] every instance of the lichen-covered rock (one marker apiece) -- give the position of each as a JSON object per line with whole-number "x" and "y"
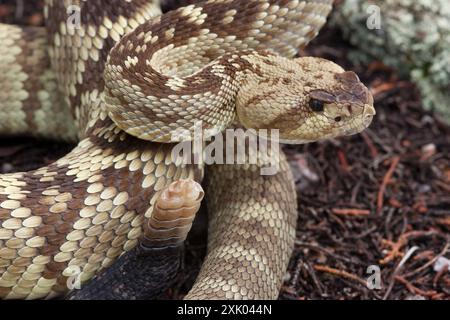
{"x": 412, "y": 36}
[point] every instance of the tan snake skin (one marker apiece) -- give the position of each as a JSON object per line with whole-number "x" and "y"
{"x": 89, "y": 207}
{"x": 29, "y": 95}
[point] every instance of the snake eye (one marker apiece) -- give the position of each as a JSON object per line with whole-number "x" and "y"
{"x": 316, "y": 105}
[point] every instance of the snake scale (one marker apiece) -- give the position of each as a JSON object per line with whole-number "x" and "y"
{"x": 121, "y": 82}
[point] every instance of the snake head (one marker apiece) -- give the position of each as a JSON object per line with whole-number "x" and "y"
{"x": 314, "y": 100}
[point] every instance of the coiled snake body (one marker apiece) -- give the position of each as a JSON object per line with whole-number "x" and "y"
{"x": 122, "y": 81}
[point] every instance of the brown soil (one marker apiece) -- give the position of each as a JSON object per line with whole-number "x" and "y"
{"x": 373, "y": 199}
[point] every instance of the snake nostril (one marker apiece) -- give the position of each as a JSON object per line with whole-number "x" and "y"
{"x": 338, "y": 119}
